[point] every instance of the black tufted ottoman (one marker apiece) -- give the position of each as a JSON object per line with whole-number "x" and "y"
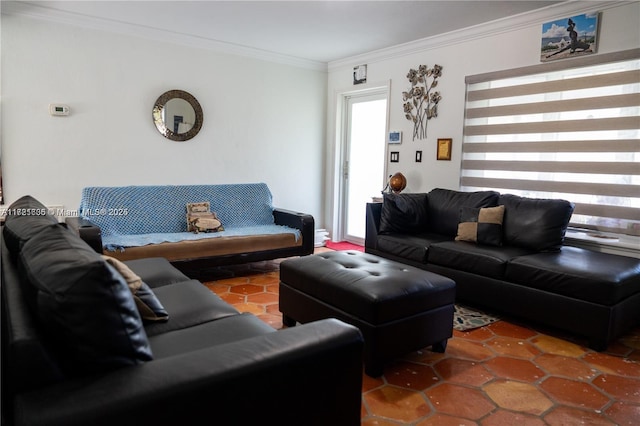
{"x": 398, "y": 308}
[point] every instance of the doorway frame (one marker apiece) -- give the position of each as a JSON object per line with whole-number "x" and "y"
{"x": 341, "y": 123}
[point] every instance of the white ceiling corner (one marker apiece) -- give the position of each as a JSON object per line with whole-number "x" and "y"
{"x": 310, "y": 34}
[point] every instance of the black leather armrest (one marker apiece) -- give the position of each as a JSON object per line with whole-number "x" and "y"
{"x": 309, "y": 374}
{"x": 374, "y": 212}
{"x": 87, "y": 230}
{"x": 302, "y": 221}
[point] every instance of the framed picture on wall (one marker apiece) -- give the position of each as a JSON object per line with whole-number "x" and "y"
{"x": 395, "y": 136}
{"x": 360, "y": 74}
{"x": 444, "y": 149}
{"x": 569, "y": 37}
{"x": 394, "y": 157}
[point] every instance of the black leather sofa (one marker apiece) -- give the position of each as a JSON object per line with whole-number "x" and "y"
{"x": 89, "y": 342}
{"x": 518, "y": 267}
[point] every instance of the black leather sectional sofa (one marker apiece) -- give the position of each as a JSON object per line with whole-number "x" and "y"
{"x": 89, "y": 342}
{"x": 519, "y": 266}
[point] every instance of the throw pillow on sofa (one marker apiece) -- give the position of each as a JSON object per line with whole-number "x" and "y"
{"x": 403, "y": 213}
{"x": 84, "y": 304}
{"x": 149, "y": 307}
{"x": 200, "y": 218}
{"x": 536, "y": 224}
{"x": 481, "y": 225}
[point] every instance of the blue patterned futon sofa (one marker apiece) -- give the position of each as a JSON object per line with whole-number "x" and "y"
{"x": 133, "y": 222}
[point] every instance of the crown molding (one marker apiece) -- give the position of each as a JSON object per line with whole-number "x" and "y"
{"x": 34, "y": 11}
{"x": 537, "y": 17}
{"x": 499, "y": 26}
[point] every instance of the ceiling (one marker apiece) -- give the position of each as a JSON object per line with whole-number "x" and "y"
{"x": 321, "y": 31}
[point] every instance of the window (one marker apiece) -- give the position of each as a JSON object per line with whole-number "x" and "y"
{"x": 569, "y": 129}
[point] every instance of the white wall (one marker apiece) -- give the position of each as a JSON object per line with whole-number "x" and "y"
{"x": 263, "y": 121}
{"x": 501, "y": 45}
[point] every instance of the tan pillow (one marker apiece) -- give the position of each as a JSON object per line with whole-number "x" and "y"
{"x": 149, "y": 307}
{"x": 200, "y": 218}
{"x": 133, "y": 281}
{"x": 481, "y": 225}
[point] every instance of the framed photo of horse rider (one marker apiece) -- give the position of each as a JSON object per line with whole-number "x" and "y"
{"x": 569, "y": 37}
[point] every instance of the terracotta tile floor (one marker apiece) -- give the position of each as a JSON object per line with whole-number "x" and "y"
{"x": 506, "y": 373}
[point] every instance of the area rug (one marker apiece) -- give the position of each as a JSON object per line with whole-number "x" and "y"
{"x": 343, "y": 245}
{"x": 466, "y": 318}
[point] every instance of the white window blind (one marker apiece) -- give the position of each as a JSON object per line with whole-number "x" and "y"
{"x": 568, "y": 129}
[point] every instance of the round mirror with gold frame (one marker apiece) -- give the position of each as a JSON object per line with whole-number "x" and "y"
{"x": 177, "y": 115}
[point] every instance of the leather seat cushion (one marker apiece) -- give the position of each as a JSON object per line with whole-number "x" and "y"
{"x": 209, "y": 247}
{"x": 411, "y": 247}
{"x": 206, "y": 335}
{"x": 156, "y": 271}
{"x": 489, "y": 261}
{"x": 372, "y": 288}
{"x": 587, "y": 275}
{"x": 188, "y": 303}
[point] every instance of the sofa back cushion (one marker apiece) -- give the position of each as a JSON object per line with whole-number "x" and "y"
{"x": 445, "y": 204}
{"x": 135, "y": 210}
{"x": 25, "y": 218}
{"x": 28, "y": 362}
{"x": 536, "y": 224}
{"x": 83, "y": 304}
{"x": 403, "y": 213}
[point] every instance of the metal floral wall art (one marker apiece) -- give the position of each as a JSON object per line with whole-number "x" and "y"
{"x": 420, "y": 102}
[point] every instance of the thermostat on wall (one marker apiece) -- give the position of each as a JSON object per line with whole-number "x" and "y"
{"x": 58, "y": 109}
